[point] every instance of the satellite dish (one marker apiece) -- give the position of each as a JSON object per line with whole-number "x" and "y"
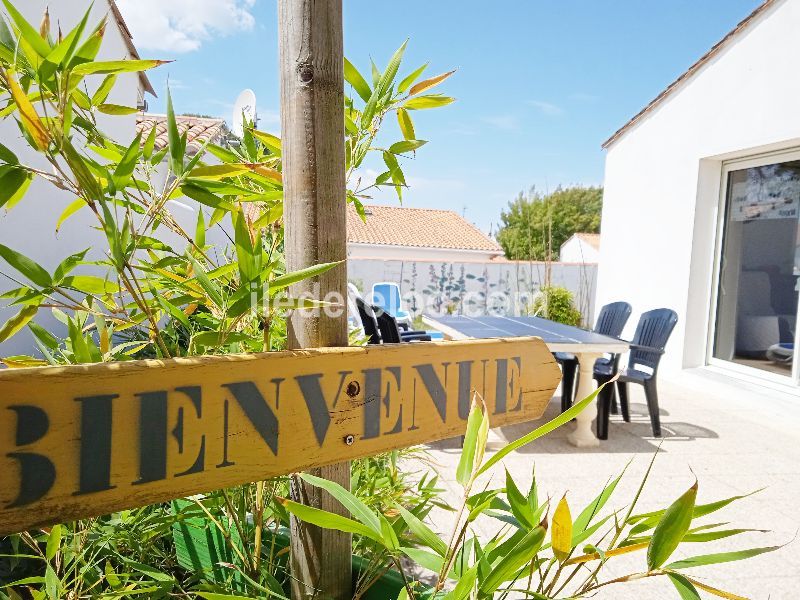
{"x": 244, "y": 110}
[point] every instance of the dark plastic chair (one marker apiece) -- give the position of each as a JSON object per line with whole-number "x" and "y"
{"x": 381, "y": 327}
{"x": 611, "y": 321}
{"x": 369, "y": 322}
{"x": 647, "y": 348}
{"x": 391, "y": 332}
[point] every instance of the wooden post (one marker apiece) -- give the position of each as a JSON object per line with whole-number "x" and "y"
{"x": 312, "y": 131}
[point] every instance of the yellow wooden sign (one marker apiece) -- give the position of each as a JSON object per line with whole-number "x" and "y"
{"x": 86, "y": 440}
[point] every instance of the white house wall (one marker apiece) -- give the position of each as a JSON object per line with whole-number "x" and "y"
{"x": 30, "y": 226}
{"x": 579, "y": 251}
{"x": 662, "y": 180}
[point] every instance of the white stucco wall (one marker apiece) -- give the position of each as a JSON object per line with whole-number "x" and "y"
{"x": 30, "y": 226}
{"x": 578, "y": 251}
{"x": 662, "y": 183}
{"x": 389, "y": 252}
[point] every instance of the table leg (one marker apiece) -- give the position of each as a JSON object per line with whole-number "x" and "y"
{"x": 583, "y": 435}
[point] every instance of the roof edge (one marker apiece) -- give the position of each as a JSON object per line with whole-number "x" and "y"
{"x": 127, "y": 37}
{"x": 686, "y": 75}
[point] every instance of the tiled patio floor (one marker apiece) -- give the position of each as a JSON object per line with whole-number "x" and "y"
{"x": 736, "y": 439}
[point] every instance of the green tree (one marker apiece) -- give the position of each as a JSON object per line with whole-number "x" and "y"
{"x": 535, "y": 225}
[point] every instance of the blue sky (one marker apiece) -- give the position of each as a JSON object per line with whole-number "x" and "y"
{"x": 540, "y": 84}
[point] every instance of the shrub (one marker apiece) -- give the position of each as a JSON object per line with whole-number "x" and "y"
{"x": 556, "y": 303}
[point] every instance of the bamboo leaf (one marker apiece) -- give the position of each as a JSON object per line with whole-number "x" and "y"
{"x": 474, "y": 442}
{"x": 560, "y": 420}
{"x": 423, "y": 532}
{"x": 272, "y": 142}
{"x": 104, "y": 89}
{"x": 18, "y": 321}
{"x": 356, "y": 507}
{"x": 27, "y": 267}
{"x": 406, "y": 124}
{"x": 90, "y": 284}
{"x": 685, "y": 588}
{"x": 114, "y": 67}
{"x": 73, "y": 207}
{"x": 354, "y": 78}
{"x": 53, "y": 542}
{"x": 561, "y": 531}
{"x": 429, "y": 101}
{"x": 429, "y": 83}
{"x": 327, "y": 520}
{"x": 13, "y": 185}
{"x": 411, "y": 78}
{"x": 720, "y": 557}
{"x": 117, "y": 109}
{"x": 30, "y": 119}
{"x": 712, "y": 590}
{"x": 509, "y": 565}
{"x": 406, "y": 146}
{"x": 28, "y": 31}
{"x": 288, "y": 279}
{"x": 670, "y": 530}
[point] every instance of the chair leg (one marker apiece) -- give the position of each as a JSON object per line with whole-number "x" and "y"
{"x": 622, "y": 390}
{"x": 652, "y": 405}
{"x": 569, "y": 369}
{"x": 614, "y": 404}
{"x": 603, "y": 407}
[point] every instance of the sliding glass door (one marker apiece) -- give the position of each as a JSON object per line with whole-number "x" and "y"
{"x": 759, "y": 267}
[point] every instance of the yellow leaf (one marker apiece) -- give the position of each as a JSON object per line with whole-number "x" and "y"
{"x": 614, "y": 552}
{"x": 406, "y": 125}
{"x": 561, "y": 531}
{"x": 429, "y": 83}
{"x": 30, "y": 120}
{"x": 265, "y": 172}
{"x": 715, "y": 591}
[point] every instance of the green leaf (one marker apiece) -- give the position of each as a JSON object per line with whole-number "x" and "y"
{"x": 28, "y": 31}
{"x": 73, "y": 207}
{"x": 51, "y": 583}
{"x": 551, "y": 425}
{"x": 354, "y": 78}
{"x": 27, "y": 267}
{"x": 176, "y": 142}
{"x": 210, "y": 288}
{"x": 104, "y": 89}
{"x": 356, "y": 507}
{"x": 406, "y": 146}
{"x": 428, "y": 560}
{"x": 423, "y": 532}
{"x": 149, "y": 144}
{"x": 595, "y": 506}
{"x": 272, "y": 142}
{"x": 720, "y": 557}
{"x": 509, "y": 565}
{"x": 520, "y": 507}
{"x": 288, "y": 279}
{"x": 474, "y": 442}
{"x": 465, "y": 585}
{"x": 53, "y": 542}
{"x": 44, "y": 336}
{"x": 113, "y": 67}
{"x": 328, "y": 520}
{"x": 90, "y": 284}
{"x": 203, "y": 196}
{"x": 200, "y": 230}
{"x": 671, "y": 528}
{"x": 411, "y": 78}
{"x": 13, "y": 184}
{"x": 429, "y": 101}
{"x": 127, "y": 165}
{"x": 685, "y": 588}
{"x": 117, "y": 109}
{"x": 18, "y": 321}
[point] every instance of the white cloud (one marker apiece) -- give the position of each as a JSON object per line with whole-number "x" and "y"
{"x": 506, "y": 122}
{"x": 183, "y": 25}
{"x": 546, "y": 108}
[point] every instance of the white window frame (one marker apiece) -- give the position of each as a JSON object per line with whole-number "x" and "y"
{"x": 737, "y": 164}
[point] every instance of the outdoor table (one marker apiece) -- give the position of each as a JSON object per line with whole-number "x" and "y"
{"x": 587, "y": 346}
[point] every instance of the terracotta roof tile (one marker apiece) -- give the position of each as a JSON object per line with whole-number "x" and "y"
{"x": 416, "y": 227}
{"x": 689, "y": 72}
{"x": 198, "y": 129}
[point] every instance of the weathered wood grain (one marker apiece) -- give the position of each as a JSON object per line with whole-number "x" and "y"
{"x": 312, "y": 132}
{"x": 86, "y": 440}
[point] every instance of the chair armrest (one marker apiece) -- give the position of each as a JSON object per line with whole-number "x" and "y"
{"x": 647, "y": 349}
{"x": 403, "y": 326}
{"x": 416, "y": 337}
